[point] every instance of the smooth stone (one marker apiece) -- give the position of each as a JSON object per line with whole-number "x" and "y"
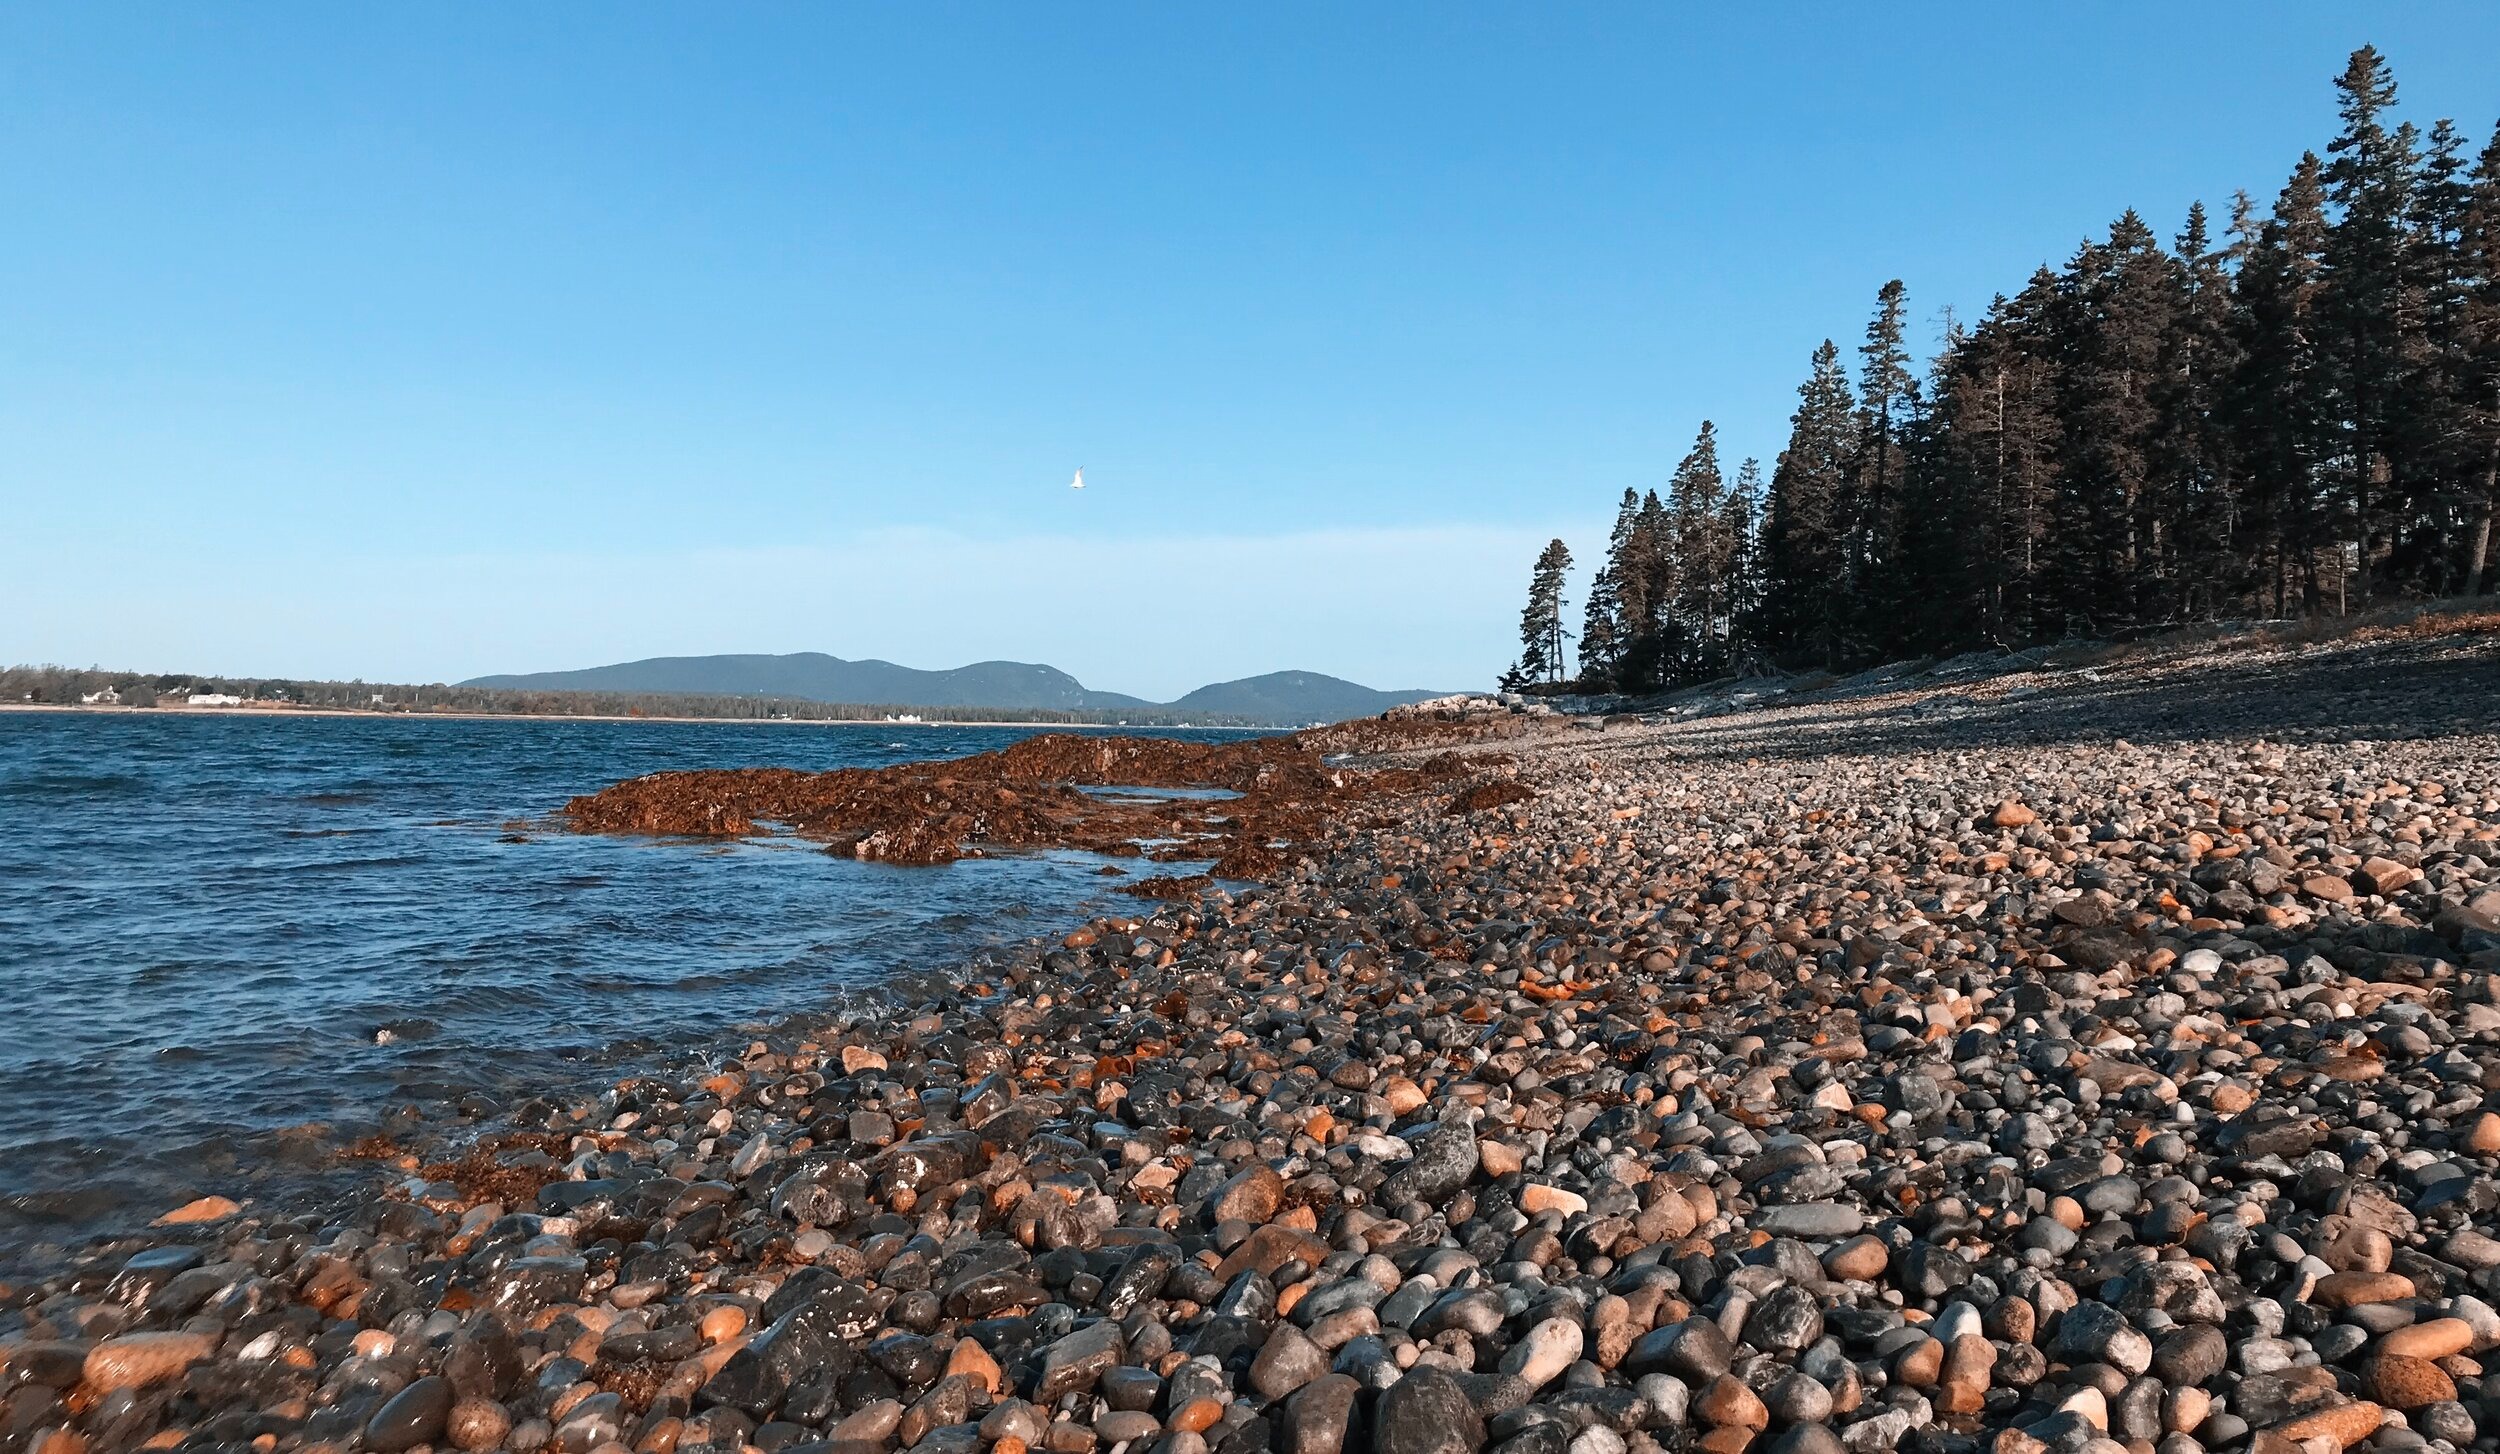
{"x": 1125, "y": 1426}
{"x": 1808, "y": 1439}
{"x": 415, "y": 1415}
{"x": 1793, "y": 1398}
{"x": 1073, "y": 1363}
{"x": 1694, "y": 1350}
{"x": 1288, "y": 1361}
{"x": 2098, "y": 1333}
{"x": 1813, "y": 1221}
{"x": 1539, "y": 1358}
{"x": 1319, "y": 1415}
{"x": 1427, "y": 1412}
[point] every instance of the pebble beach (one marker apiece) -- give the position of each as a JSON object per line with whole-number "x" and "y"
{"x": 2084, "y": 1061}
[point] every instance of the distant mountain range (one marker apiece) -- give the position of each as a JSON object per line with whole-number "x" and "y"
{"x": 1283, "y": 697}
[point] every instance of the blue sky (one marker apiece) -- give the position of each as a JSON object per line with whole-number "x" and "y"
{"x": 418, "y": 342}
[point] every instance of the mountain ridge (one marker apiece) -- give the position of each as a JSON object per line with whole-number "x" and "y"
{"x": 1284, "y": 697}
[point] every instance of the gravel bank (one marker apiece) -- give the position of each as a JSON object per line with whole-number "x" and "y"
{"x": 2077, "y": 1066}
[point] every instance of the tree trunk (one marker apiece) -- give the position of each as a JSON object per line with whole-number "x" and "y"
{"x": 2479, "y": 553}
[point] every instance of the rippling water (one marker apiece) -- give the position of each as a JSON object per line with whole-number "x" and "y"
{"x": 217, "y": 928}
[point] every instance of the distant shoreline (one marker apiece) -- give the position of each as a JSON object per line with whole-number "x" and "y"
{"x": 363, "y": 712}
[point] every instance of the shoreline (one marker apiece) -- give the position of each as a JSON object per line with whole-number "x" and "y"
{"x": 363, "y": 712}
{"x": 1896, "y": 1071}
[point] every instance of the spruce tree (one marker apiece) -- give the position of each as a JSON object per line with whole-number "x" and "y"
{"x": 2435, "y": 485}
{"x": 1541, "y": 632}
{"x": 1924, "y": 597}
{"x": 1887, "y": 397}
{"x": 1696, "y": 505}
{"x": 1597, "y": 632}
{"x": 2002, "y": 437}
{"x": 2297, "y": 418}
{"x": 2368, "y": 319}
{"x": 2202, "y": 355}
{"x": 2123, "y": 297}
{"x": 2477, "y": 386}
{"x": 1604, "y": 627}
{"x": 1741, "y": 527}
{"x": 1805, "y": 525}
{"x": 1648, "y": 587}
{"x": 2276, "y": 404}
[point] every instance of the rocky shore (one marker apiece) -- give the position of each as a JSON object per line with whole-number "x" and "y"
{"x": 2107, "y": 1067}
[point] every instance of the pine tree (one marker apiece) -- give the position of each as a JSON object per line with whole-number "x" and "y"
{"x": 1696, "y": 505}
{"x": 1541, "y": 632}
{"x": 1604, "y": 629}
{"x": 1887, "y": 397}
{"x": 2275, "y": 406}
{"x": 1597, "y": 632}
{"x": 2300, "y": 417}
{"x": 2122, "y": 300}
{"x": 1645, "y": 585}
{"x": 2435, "y": 483}
{"x": 2478, "y": 386}
{"x": 1805, "y": 526}
{"x": 2202, "y": 355}
{"x": 2000, "y": 438}
{"x": 1924, "y": 597}
{"x": 1741, "y": 526}
{"x": 2368, "y": 319}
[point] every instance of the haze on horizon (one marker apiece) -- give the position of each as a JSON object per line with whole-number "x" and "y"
{"x": 426, "y": 344}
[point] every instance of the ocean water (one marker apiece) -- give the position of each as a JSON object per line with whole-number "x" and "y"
{"x": 229, "y": 943}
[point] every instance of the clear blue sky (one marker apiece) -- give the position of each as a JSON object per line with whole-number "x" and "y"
{"x": 429, "y": 340}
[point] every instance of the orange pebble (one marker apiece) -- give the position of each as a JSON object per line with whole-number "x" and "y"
{"x": 971, "y": 1358}
{"x": 206, "y": 1209}
{"x": 1197, "y": 1416}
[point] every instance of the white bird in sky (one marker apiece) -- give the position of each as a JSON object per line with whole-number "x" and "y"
{"x": 1079, "y": 482}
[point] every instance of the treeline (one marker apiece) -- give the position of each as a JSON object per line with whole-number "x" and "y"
{"x": 67, "y": 686}
{"x": 2300, "y": 416}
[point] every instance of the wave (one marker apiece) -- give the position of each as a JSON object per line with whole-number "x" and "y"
{"x": 232, "y": 995}
{"x": 70, "y": 784}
